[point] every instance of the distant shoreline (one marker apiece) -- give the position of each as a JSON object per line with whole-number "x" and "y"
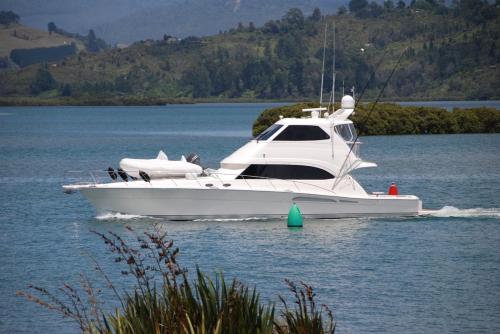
{"x": 146, "y": 101}
{"x": 86, "y": 102}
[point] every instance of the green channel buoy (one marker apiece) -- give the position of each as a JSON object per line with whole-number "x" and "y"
{"x": 294, "y": 217}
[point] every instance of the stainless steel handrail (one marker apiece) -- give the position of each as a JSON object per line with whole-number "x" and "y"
{"x": 97, "y": 175}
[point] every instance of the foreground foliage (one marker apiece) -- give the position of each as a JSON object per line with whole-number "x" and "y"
{"x": 164, "y": 300}
{"x": 394, "y": 119}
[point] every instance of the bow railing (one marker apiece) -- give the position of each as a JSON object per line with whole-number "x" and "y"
{"x": 208, "y": 180}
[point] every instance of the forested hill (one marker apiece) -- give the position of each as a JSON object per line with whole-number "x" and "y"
{"x": 448, "y": 53}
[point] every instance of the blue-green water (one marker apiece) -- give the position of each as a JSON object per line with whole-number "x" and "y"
{"x": 436, "y": 274}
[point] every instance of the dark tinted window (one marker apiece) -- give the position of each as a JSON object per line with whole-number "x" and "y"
{"x": 302, "y": 132}
{"x": 269, "y": 132}
{"x": 295, "y": 172}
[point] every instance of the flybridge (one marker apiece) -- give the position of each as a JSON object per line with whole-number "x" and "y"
{"x": 322, "y": 141}
{"x": 346, "y": 109}
{"x": 315, "y": 112}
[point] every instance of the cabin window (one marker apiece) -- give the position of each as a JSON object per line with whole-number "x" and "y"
{"x": 269, "y": 132}
{"x": 302, "y": 133}
{"x": 346, "y": 131}
{"x": 285, "y": 172}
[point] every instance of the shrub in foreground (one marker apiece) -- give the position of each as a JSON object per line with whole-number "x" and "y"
{"x": 165, "y": 300}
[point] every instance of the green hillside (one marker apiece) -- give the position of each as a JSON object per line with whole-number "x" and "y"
{"x": 448, "y": 53}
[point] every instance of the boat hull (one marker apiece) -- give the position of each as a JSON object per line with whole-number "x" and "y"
{"x": 190, "y": 204}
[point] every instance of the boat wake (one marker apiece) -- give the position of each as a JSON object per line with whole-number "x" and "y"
{"x": 117, "y": 216}
{"x": 124, "y": 216}
{"x": 451, "y": 211}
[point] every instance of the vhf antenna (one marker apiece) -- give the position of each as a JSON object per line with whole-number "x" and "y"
{"x": 323, "y": 68}
{"x": 372, "y": 76}
{"x": 333, "y": 70}
{"x": 331, "y": 101}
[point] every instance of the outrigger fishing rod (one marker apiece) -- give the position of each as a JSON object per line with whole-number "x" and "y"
{"x": 372, "y": 76}
{"x": 367, "y": 117}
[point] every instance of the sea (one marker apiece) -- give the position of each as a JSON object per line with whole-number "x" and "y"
{"x": 434, "y": 274}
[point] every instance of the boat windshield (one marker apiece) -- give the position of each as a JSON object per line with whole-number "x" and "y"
{"x": 269, "y": 132}
{"x": 346, "y": 131}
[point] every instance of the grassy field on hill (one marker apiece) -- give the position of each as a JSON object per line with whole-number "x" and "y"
{"x": 21, "y": 37}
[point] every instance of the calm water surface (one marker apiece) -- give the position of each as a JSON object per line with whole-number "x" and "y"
{"x": 437, "y": 274}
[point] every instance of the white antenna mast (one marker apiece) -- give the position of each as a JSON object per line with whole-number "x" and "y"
{"x": 333, "y": 70}
{"x": 323, "y": 68}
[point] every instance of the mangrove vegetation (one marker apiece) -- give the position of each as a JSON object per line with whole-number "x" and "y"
{"x": 394, "y": 119}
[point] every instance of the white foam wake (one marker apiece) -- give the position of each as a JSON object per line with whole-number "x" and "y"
{"x": 451, "y": 211}
{"x": 116, "y": 215}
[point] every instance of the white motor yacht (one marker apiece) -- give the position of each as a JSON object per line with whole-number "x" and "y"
{"x": 304, "y": 160}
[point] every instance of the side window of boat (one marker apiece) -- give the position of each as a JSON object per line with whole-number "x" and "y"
{"x": 302, "y": 133}
{"x": 266, "y": 134}
{"x": 346, "y": 131}
{"x": 294, "y": 172}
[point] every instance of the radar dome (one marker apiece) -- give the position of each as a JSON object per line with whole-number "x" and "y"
{"x": 347, "y": 102}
